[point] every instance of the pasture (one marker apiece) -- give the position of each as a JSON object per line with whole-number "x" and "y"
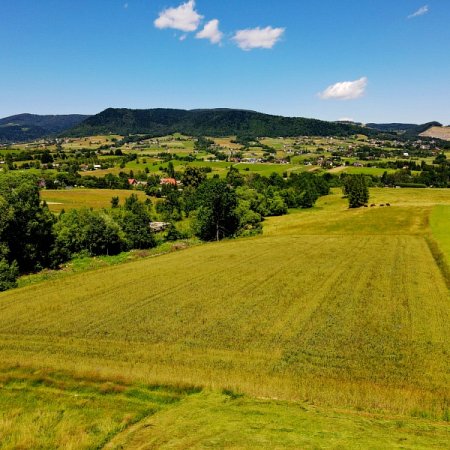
{"x": 333, "y": 325}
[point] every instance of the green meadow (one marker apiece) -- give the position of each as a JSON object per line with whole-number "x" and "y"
{"x": 67, "y": 199}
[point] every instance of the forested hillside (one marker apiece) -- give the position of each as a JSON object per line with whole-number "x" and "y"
{"x": 213, "y": 122}
{"x": 25, "y": 127}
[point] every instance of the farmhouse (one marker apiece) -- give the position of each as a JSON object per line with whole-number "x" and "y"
{"x": 168, "y": 181}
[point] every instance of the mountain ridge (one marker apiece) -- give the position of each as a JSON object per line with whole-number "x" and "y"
{"x": 216, "y": 122}
{"x": 26, "y": 127}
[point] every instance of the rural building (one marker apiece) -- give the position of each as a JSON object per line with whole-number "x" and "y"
{"x": 169, "y": 181}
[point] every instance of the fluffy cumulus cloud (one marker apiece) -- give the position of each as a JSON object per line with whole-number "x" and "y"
{"x": 211, "y": 31}
{"x": 258, "y": 37}
{"x": 184, "y": 18}
{"x": 187, "y": 19}
{"x": 345, "y": 90}
{"x": 420, "y": 12}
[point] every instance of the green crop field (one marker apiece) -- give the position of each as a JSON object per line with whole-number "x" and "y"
{"x": 58, "y": 200}
{"x": 329, "y": 331}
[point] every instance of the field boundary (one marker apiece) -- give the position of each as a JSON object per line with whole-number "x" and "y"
{"x": 439, "y": 258}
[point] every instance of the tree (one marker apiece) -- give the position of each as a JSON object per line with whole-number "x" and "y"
{"x": 135, "y": 222}
{"x": 46, "y": 157}
{"x": 193, "y": 177}
{"x": 115, "y": 202}
{"x": 441, "y": 159}
{"x": 249, "y": 220}
{"x": 84, "y": 230}
{"x": 234, "y": 178}
{"x": 309, "y": 196}
{"x": 274, "y": 203}
{"x": 170, "y": 170}
{"x": 356, "y": 189}
{"x": 216, "y": 215}
{"x": 170, "y": 208}
{"x": 8, "y": 275}
{"x": 26, "y": 231}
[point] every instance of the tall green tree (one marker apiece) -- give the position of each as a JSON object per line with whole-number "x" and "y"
{"x": 357, "y": 190}
{"x": 216, "y": 217}
{"x": 135, "y": 222}
{"x": 27, "y": 229}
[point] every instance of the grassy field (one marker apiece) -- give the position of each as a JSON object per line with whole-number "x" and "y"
{"x": 334, "y": 324}
{"x": 217, "y": 167}
{"x": 440, "y": 220}
{"x": 58, "y": 200}
{"x": 42, "y": 410}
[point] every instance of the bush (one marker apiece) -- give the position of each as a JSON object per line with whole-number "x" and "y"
{"x": 8, "y": 275}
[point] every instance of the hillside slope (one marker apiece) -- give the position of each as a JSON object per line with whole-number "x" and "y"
{"x": 332, "y": 307}
{"x": 213, "y": 122}
{"x": 408, "y": 129}
{"x": 25, "y": 127}
{"x": 437, "y": 133}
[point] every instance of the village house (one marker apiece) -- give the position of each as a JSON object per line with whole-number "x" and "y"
{"x": 168, "y": 181}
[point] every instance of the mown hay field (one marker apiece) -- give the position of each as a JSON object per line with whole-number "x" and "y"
{"x": 46, "y": 410}
{"x": 41, "y": 409}
{"x": 344, "y": 310}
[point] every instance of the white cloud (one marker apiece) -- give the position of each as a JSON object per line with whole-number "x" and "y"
{"x": 345, "y": 90}
{"x": 211, "y": 31}
{"x": 420, "y": 12}
{"x": 184, "y": 17}
{"x": 258, "y": 37}
{"x": 183, "y": 37}
{"x": 125, "y": 5}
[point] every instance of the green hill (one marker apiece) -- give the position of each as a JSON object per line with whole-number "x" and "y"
{"x": 212, "y": 122}
{"x": 27, "y": 127}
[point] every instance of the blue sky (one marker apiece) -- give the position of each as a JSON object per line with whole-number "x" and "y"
{"x": 365, "y": 60}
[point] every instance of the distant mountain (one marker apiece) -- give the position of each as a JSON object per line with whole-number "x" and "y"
{"x": 26, "y": 127}
{"x": 409, "y": 129}
{"x": 208, "y": 122}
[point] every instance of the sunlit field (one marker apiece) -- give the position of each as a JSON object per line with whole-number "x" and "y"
{"x": 332, "y": 327}
{"x": 58, "y": 200}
